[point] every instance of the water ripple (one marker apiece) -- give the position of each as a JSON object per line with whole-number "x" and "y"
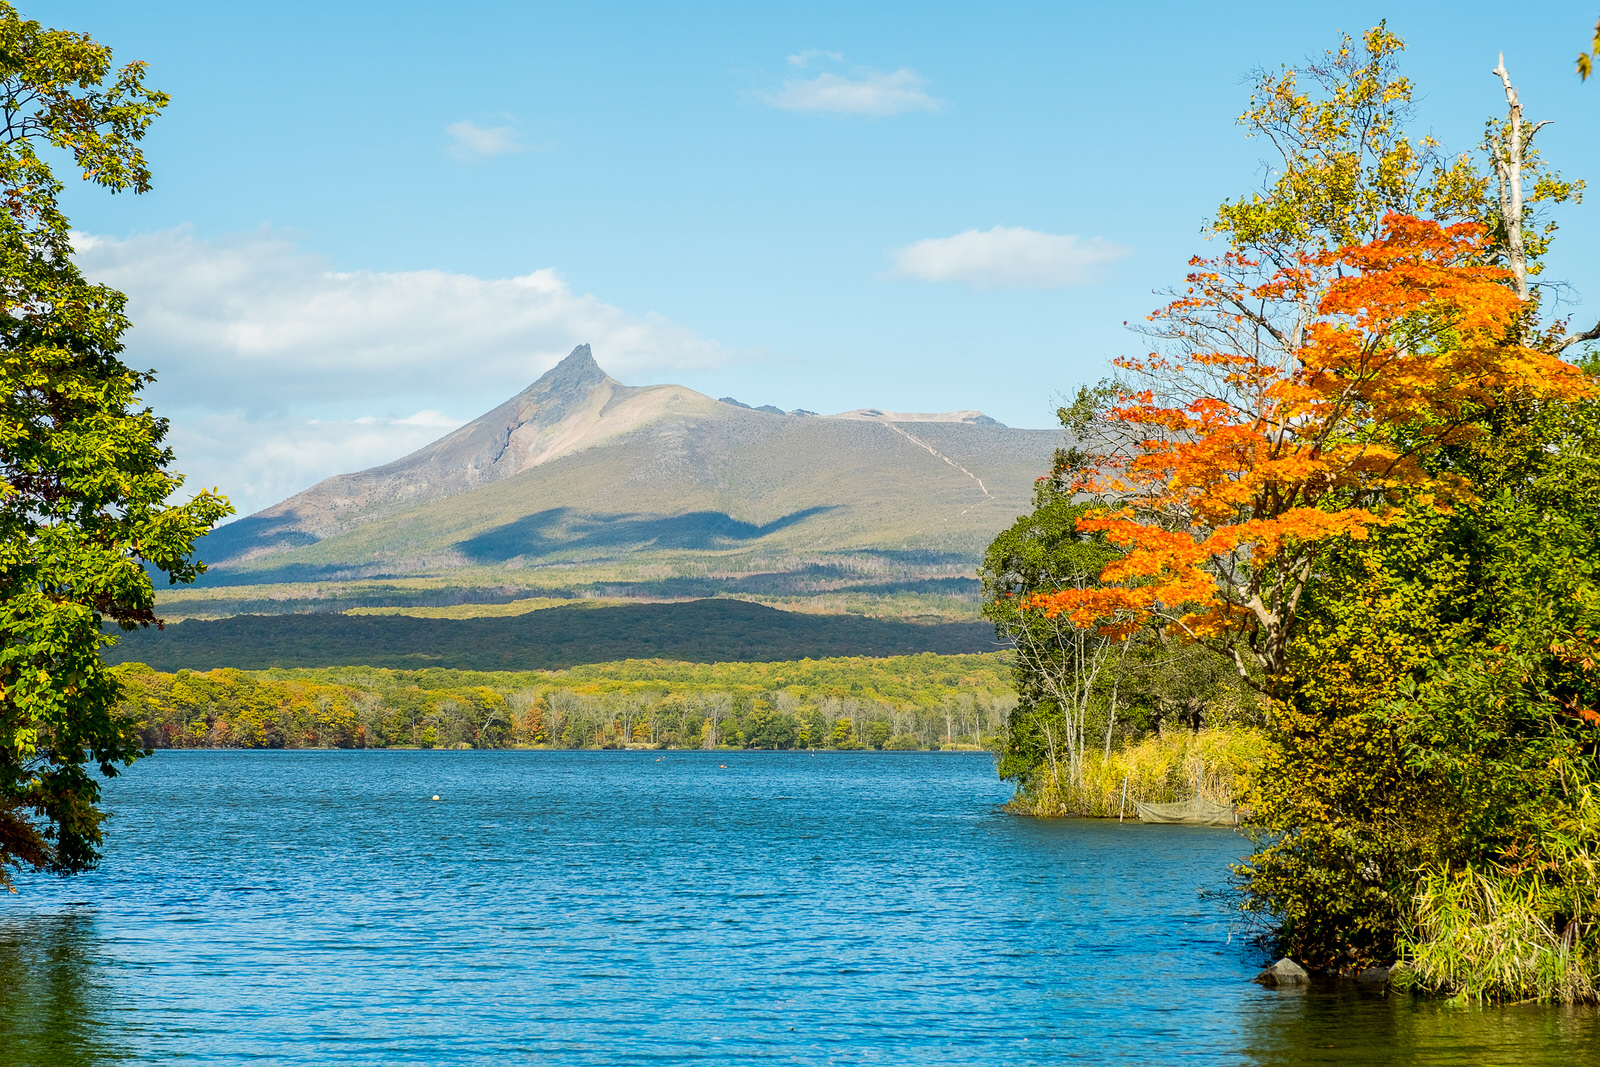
{"x": 606, "y": 908}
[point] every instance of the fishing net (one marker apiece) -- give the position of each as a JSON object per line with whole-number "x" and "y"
{"x": 1196, "y": 812}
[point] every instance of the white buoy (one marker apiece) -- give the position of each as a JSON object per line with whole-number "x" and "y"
{"x": 436, "y": 796}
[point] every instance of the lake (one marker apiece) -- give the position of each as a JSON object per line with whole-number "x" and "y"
{"x": 314, "y": 907}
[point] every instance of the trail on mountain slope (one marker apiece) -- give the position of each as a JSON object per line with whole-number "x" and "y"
{"x": 940, "y": 455}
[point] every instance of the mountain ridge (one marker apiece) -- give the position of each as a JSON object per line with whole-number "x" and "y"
{"x": 573, "y": 406}
{"x": 582, "y": 486}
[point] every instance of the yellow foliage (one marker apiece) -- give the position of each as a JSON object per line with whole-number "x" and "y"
{"x": 1175, "y": 765}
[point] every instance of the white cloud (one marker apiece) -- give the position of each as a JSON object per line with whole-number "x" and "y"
{"x": 1007, "y": 257}
{"x": 863, "y": 91}
{"x": 471, "y": 141}
{"x": 806, "y": 58}
{"x": 250, "y": 321}
{"x": 278, "y": 372}
{"x": 258, "y": 460}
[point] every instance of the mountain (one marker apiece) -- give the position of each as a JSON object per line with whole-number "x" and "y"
{"x": 580, "y": 484}
{"x": 575, "y": 405}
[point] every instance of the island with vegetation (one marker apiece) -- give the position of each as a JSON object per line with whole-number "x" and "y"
{"x": 1334, "y": 544}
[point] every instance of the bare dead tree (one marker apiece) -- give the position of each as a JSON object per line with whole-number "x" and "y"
{"x": 1510, "y": 146}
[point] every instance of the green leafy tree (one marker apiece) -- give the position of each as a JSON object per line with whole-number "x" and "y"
{"x": 844, "y": 732}
{"x": 1079, "y": 691}
{"x": 1337, "y": 127}
{"x": 878, "y": 733}
{"x": 1445, "y": 716}
{"x": 1440, "y": 719}
{"x": 1056, "y": 666}
{"x": 84, "y": 473}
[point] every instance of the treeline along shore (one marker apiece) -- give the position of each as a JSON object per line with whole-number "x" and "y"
{"x": 849, "y": 703}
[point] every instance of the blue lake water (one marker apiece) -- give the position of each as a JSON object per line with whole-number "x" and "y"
{"x": 632, "y": 907}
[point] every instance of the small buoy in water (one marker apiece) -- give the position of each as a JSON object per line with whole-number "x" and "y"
{"x": 436, "y": 796}
{"x": 724, "y": 766}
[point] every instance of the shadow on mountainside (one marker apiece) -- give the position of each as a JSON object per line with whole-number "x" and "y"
{"x": 252, "y": 534}
{"x": 561, "y": 530}
{"x": 699, "y": 631}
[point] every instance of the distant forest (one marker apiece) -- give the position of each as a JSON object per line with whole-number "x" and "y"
{"x": 700, "y": 631}
{"x": 909, "y": 702}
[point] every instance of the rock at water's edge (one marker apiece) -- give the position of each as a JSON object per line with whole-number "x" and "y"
{"x": 1375, "y": 975}
{"x": 1285, "y": 972}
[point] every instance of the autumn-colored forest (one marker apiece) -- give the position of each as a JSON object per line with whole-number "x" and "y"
{"x": 908, "y": 702}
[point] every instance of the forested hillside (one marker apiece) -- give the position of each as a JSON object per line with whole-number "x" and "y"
{"x": 703, "y": 631}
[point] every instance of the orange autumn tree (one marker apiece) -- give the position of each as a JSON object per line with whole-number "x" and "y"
{"x": 1291, "y": 412}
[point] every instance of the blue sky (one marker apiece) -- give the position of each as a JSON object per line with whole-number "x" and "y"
{"x": 374, "y": 221}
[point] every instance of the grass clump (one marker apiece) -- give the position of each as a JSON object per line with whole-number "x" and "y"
{"x": 1169, "y": 766}
{"x": 1487, "y": 936}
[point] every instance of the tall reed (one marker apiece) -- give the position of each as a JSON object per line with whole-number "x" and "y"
{"x": 1173, "y": 765}
{"x": 1484, "y": 936}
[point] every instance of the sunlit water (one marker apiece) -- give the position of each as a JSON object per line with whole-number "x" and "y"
{"x": 631, "y": 907}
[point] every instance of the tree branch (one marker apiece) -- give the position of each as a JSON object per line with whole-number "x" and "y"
{"x": 1573, "y": 338}
{"x": 1259, "y": 319}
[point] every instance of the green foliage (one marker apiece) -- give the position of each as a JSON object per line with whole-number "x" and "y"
{"x": 85, "y": 472}
{"x": 1344, "y": 158}
{"x": 701, "y": 630}
{"x": 840, "y": 703}
{"x": 1041, "y": 551}
{"x": 1444, "y": 720}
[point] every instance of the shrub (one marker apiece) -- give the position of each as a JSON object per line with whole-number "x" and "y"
{"x": 1173, "y": 765}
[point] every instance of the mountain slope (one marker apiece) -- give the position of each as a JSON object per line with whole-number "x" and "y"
{"x": 574, "y": 405}
{"x": 580, "y": 481}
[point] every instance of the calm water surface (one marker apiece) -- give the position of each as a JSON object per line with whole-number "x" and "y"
{"x": 631, "y": 907}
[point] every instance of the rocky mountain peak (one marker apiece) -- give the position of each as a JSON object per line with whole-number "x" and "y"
{"x": 576, "y": 376}
{"x": 572, "y": 407}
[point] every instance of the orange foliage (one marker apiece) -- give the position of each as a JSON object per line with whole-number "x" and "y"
{"x": 1249, "y": 457}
